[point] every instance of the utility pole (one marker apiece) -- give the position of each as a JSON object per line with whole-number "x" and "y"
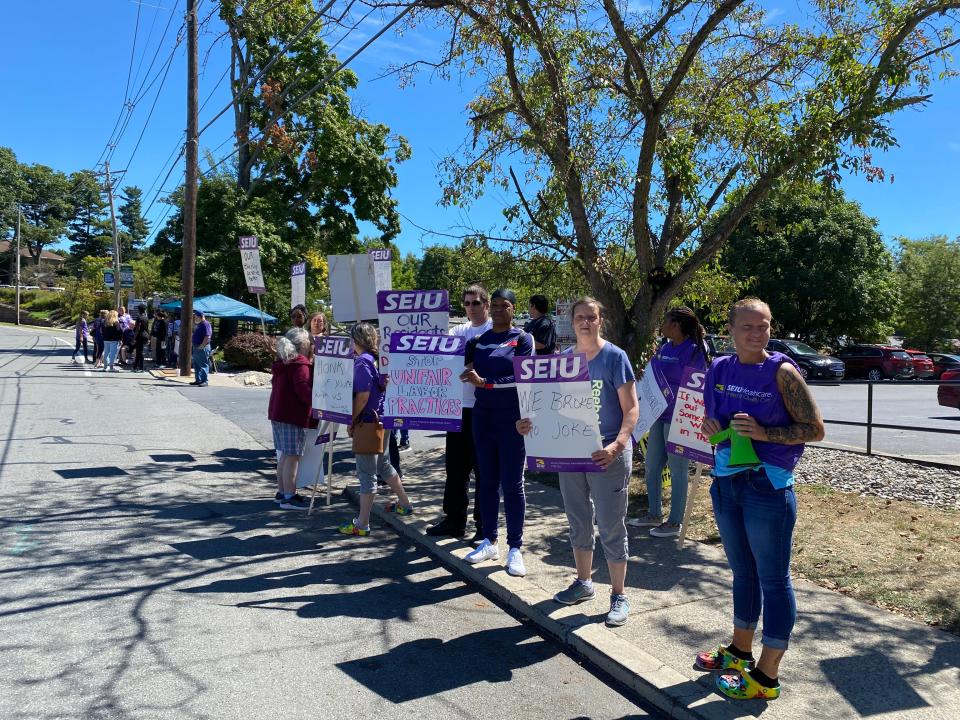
{"x": 190, "y": 194}
{"x": 17, "y": 305}
{"x": 116, "y": 240}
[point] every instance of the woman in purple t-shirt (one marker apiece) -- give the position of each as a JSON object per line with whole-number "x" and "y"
{"x": 685, "y": 347}
{"x": 762, "y": 395}
{"x": 81, "y": 333}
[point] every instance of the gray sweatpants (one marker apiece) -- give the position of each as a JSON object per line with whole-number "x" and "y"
{"x": 608, "y": 491}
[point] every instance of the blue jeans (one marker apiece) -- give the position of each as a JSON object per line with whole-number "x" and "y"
{"x": 201, "y": 360}
{"x": 110, "y": 348}
{"x": 500, "y": 455}
{"x": 655, "y": 459}
{"x": 756, "y": 527}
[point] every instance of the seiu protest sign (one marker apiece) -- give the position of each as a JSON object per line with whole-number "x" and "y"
{"x": 686, "y": 438}
{"x": 422, "y": 312}
{"x": 557, "y": 397}
{"x": 424, "y": 391}
{"x": 333, "y": 378}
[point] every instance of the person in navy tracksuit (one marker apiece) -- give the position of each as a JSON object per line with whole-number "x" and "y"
{"x": 499, "y": 447}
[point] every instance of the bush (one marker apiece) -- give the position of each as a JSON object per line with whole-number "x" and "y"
{"x": 41, "y": 300}
{"x": 251, "y": 351}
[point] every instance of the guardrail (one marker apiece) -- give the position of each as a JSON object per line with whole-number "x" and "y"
{"x": 869, "y": 424}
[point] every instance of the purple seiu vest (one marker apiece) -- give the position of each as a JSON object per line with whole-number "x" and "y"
{"x": 733, "y": 387}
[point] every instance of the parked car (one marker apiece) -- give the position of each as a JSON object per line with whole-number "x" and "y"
{"x": 876, "y": 362}
{"x": 813, "y": 365}
{"x": 943, "y": 362}
{"x": 948, "y": 395}
{"x": 922, "y": 364}
{"x": 719, "y": 345}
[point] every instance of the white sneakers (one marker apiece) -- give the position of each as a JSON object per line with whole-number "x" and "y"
{"x": 487, "y": 550}
{"x": 515, "y": 564}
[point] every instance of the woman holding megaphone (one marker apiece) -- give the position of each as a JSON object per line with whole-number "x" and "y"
{"x": 762, "y": 397}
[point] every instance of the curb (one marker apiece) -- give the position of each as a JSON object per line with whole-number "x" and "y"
{"x": 661, "y": 686}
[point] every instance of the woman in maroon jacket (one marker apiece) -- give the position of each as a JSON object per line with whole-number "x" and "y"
{"x": 290, "y": 399}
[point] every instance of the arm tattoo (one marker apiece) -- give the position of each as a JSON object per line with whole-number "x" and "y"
{"x": 807, "y": 424}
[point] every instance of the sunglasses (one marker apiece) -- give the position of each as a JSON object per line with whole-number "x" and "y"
{"x": 472, "y": 303}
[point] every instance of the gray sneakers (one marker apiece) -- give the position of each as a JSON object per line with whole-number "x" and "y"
{"x": 619, "y": 610}
{"x": 578, "y": 592}
{"x": 666, "y": 530}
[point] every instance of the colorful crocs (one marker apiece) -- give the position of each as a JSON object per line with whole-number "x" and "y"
{"x": 399, "y": 509}
{"x": 720, "y": 659}
{"x": 351, "y": 528}
{"x": 740, "y": 686}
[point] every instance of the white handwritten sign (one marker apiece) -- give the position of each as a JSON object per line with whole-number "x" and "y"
{"x": 654, "y": 396}
{"x": 424, "y": 392}
{"x": 686, "y": 438}
{"x": 333, "y": 378}
{"x": 298, "y": 284}
{"x": 352, "y": 285}
{"x": 557, "y": 396}
{"x": 422, "y": 312}
{"x": 250, "y": 259}
{"x": 382, "y": 268}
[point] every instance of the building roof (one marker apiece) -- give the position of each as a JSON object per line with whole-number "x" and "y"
{"x": 25, "y": 252}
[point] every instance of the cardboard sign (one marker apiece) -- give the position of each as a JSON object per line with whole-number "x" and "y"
{"x": 654, "y": 396}
{"x": 382, "y": 268}
{"x": 685, "y": 438}
{"x": 425, "y": 392}
{"x": 420, "y": 312}
{"x": 563, "y": 323}
{"x": 556, "y": 394}
{"x": 250, "y": 259}
{"x": 298, "y": 284}
{"x": 333, "y": 378}
{"x": 353, "y": 286}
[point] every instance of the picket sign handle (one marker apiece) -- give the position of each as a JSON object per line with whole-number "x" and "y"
{"x": 331, "y": 428}
{"x": 691, "y": 497}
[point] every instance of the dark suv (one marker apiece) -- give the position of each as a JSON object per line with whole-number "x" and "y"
{"x": 813, "y": 365}
{"x": 876, "y": 362}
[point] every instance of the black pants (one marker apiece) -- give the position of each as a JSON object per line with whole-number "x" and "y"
{"x": 138, "y": 355}
{"x": 461, "y": 459}
{"x": 158, "y": 357}
{"x": 395, "y": 453}
{"x": 81, "y": 341}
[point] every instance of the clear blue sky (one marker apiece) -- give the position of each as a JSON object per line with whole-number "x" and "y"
{"x": 64, "y": 67}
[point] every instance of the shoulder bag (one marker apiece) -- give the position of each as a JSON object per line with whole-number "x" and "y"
{"x": 368, "y": 436}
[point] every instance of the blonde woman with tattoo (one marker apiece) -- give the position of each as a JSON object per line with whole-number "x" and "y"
{"x": 762, "y": 396}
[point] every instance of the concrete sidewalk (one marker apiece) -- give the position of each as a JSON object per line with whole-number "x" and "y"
{"x": 847, "y": 659}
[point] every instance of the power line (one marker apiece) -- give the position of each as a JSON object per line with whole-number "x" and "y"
{"x": 133, "y": 52}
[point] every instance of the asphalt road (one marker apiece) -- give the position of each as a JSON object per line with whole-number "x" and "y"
{"x": 145, "y": 573}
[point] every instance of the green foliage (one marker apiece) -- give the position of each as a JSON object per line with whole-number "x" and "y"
{"x": 12, "y": 189}
{"x": 710, "y": 292}
{"x": 87, "y": 292}
{"x": 929, "y": 271}
{"x": 149, "y": 277}
{"x": 251, "y": 351}
{"x": 820, "y": 264}
{"x": 48, "y": 207}
{"x": 136, "y": 228}
{"x": 89, "y": 227}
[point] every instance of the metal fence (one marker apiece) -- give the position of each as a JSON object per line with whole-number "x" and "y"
{"x": 870, "y": 425}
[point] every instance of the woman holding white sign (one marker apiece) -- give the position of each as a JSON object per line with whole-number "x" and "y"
{"x": 685, "y": 347}
{"x": 605, "y": 492}
{"x": 368, "y": 389}
{"x": 761, "y": 396}
{"x": 500, "y": 451}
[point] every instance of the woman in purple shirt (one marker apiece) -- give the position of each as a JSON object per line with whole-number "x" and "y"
{"x": 685, "y": 347}
{"x": 762, "y": 395}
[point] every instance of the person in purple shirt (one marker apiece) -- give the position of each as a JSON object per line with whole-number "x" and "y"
{"x": 202, "y": 334}
{"x": 368, "y": 392}
{"x": 762, "y": 395}
{"x": 499, "y": 447}
{"x": 81, "y": 332}
{"x": 685, "y": 347}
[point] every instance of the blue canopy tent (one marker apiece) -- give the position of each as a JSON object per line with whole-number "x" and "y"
{"x": 220, "y": 306}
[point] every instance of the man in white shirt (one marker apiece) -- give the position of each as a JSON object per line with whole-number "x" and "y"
{"x": 461, "y": 458}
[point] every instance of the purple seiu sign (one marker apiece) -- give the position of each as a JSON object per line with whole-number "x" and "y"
{"x": 422, "y": 312}
{"x": 424, "y": 391}
{"x": 556, "y": 395}
{"x": 686, "y": 437}
{"x": 333, "y": 378}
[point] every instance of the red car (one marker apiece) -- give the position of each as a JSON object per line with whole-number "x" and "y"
{"x": 876, "y": 362}
{"x": 948, "y": 395}
{"x": 943, "y": 362}
{"x": 922, "y": 365}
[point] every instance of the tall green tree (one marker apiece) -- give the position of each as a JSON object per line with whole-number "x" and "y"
{"x": 620, "y": 128}
{"x": 12, "y": 189}
{"x": 819, "y": 262}
{"x": 929, "y": 272}
{"x": 89, "y": 228}
{"x": 136, "y": 227}
{"x": 47, "y": 208}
